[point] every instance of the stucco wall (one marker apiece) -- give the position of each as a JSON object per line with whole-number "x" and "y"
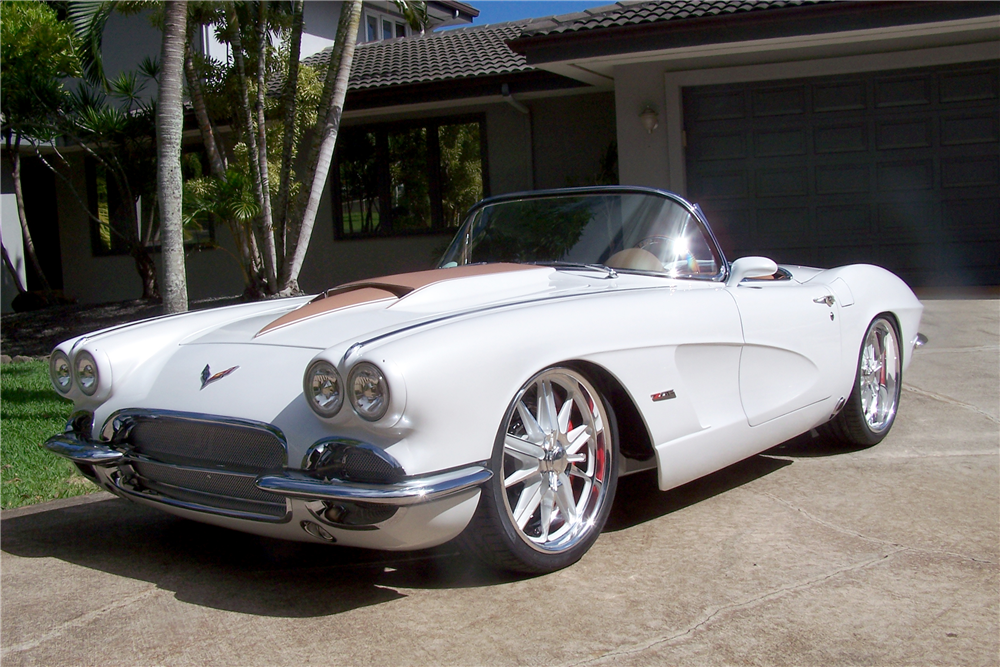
{"x": 11, "y": 236}
{"x": 569, "y": 135}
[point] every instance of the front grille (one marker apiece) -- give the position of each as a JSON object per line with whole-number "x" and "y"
{"x": 210, "y": 464}
{"x": 207, "y": 444}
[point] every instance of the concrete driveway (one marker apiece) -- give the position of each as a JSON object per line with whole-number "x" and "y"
{"x": 802, "y": 555}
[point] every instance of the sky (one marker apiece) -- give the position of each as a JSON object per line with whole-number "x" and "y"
{"x": 499, "y": 11}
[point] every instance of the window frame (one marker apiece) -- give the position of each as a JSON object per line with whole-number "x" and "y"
{"x": 435, "y": 175}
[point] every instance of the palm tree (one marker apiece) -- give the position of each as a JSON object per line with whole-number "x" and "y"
{"x": 169, "y": 131}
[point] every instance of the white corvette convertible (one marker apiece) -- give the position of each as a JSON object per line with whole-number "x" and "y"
{"x": 568, "y": 338}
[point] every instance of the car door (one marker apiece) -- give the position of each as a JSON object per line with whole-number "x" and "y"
{"x": 791, "y": 350}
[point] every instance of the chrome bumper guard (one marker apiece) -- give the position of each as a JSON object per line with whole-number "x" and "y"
{"x": 79, "y": 450}
{"x": 298, "y": 485}
{"x": 408, "y": 492}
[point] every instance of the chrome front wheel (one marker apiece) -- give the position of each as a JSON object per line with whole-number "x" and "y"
{"x": 555, "y": 473}
{"x": 871, "y": 408}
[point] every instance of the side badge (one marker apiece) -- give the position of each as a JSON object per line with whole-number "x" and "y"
{"x": 663, "y": 396}
{"x": 207, "y": 378}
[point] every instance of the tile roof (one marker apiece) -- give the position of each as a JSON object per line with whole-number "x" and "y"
{"x": 437, "y": 56}
{"x": 636, "y": 12}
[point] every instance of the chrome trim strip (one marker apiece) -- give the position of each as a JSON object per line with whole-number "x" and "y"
{"x": 126, "y": 492}
{"x": 78, "y": 450}
{"x": 123, "y": 418}
{"x": 411, "y": 492}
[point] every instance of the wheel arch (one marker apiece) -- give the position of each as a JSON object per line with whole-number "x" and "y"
{"x": 634, "y": 441}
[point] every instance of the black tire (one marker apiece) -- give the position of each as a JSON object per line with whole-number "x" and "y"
{"x": 572, "y": 478}
{"x": 871, "y": 408}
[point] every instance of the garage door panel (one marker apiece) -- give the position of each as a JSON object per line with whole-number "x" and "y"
{"x": 902, "y": 91}
{"x": 968, "y": 86}
{"x": 964, "y": 172}
{"x": 979, "y": 127}
{"x": 726, "y": 145}
{"x": 834, "y": 223}
{"x": 779, "y": 101}
{"x": 790, "y": 181}
{"x": 897, "y": 168}
{"x": 972, "y": 220}
{"x": 781, "y": 142}
{"x": 841, "y": 138}
{"x": 840, "y": 96}
{"x": 905, "y": 175}
{"x": 903, "y": 133}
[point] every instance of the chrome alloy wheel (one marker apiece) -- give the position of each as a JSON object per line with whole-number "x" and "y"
{"x": 557, "y": 458}
{"x": 878, "y": 379}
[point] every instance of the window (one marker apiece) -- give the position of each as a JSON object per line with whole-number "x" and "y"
{"x": 371, "y": 24}
{"x": 116, "y": 227}
{"x": 392, "y": 180}
{"x": 400, "y": 30}
{"x": 386, "y": 28}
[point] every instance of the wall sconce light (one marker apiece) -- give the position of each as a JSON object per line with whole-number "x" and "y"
{"x": 650, "y": 119}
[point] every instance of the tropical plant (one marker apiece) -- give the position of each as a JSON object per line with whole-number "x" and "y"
{"x": 36, "y": 53}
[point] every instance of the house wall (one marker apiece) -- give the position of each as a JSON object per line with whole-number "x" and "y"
{"x": 90, "y": 279}
{"x": 569, "y": 136}
{"x": 330, "y": 262}
{"x": 10, "y": 234}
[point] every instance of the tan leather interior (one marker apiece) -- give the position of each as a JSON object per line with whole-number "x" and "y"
{"x": 634, "y": 258}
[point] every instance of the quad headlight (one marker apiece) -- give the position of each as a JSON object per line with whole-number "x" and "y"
{"x": 368, "y": 391}
{"x": 323, "y": 388}
{"x": 87, "y": 377}
{"x": 61, "y": 372}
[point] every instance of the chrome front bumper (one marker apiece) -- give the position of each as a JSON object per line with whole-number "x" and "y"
{"x": 296, "y": 484}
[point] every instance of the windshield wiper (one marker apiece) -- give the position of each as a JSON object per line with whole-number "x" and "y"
{"x": 607, "y": 270}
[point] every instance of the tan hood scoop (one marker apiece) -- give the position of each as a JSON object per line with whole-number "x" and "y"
{"x": 389, "y": 288}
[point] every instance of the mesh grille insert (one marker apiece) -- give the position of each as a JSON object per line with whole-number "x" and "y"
{"x": 208, "y": 463}
{"x": 208, "y": 445}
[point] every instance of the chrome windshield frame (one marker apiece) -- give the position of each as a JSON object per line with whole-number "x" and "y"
{"x": 693, "y": 209}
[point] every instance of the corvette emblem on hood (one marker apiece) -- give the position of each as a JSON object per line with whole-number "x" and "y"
{"x": 207, "y": 378}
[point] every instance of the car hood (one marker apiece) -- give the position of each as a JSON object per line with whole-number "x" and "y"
{"x": 371, "y": 308}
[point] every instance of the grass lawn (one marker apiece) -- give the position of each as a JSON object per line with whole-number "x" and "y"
{"x": 30, "y": 411}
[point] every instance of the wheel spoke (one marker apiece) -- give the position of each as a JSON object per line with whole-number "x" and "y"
{"x": 564, "y": 414}
{"x": 530, "y": 423}
{"x": 523, "y": 475}
{"x": 548, "y": 503}
{"x": 522, "y": 449}
{"x": 527, "y": 503}
{"x": 565, "y": 500}
{"x": 577, "y": 438}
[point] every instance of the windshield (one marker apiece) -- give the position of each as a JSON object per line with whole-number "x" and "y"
{"x": 631, "y": 231}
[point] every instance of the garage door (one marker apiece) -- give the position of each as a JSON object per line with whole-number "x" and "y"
{"x": 900, "y": 169}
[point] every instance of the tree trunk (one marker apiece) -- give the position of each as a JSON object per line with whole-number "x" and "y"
{"x": 169, "y": 131}
{"x": 29, "y": 246}
{"x": 327, "y": 127}
{"x": 288, "y": 140}
{"x": 264, "y": 226}
{"x": 216, "y": 164}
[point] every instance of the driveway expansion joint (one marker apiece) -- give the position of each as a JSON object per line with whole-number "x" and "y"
{"x": 712, "y": 614}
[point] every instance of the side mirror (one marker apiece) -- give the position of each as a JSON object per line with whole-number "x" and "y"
{"x": 750, "y": 267}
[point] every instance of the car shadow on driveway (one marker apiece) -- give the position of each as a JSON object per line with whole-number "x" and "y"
{"x": 227, "y": 570}
{"x": 639, "y": 499}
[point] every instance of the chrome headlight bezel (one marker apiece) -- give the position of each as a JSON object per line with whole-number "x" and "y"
{"x": 87, "y": 381}
{"x": 309, "y": 388}
{"x": 368, "y": 390}
{"x": 56, "y": 361}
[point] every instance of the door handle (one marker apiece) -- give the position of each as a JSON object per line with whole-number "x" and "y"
{"x": 828, "y": 300}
